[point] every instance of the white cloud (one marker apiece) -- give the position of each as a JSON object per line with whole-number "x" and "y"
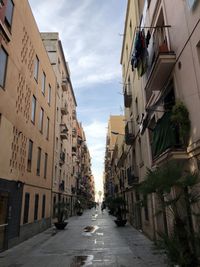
{"x": 95, "y": 136}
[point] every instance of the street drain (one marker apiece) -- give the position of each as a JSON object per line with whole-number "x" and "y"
{"x": 78, "y": 261}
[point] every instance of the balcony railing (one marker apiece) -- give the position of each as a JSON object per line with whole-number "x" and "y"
{"x": 64, "y": 109}
{"x": 74, "y": 114}
{"x": 166, "y": 137}
{"x": 63, "y": 131}
{"x": 129, "y": 135}
{"x": 132, "y": 179}
{"x": 127, "y": 97}
{"x": 62, "y": 158}
{"x": 62, "y": 186}
{"x": 64, "y": 84}
{"x": 161, "y": 61}
{"x": 74, "y": 132}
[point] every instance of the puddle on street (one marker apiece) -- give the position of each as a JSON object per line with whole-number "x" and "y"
{"x": 94, "y": 217}
{"x": 79, "y": 261}
{"x": 98, "y": 242}
{"x": 89, "y": 230}
{"x": 101, "y": 234}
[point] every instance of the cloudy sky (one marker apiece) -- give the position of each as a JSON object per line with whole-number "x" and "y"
{"x": 91, "y": 35}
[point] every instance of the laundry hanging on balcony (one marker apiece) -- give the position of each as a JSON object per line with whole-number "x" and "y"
{"x": 140, "y": 54}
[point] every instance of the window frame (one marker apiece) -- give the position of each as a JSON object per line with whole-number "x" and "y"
{"x": 5, "y": 68}
{"x": 36, "y": 68}
{"x": 39, "y": 152}
{"x": 36, "y": 205}
{"x": 45, "y": 165}
{"x": 49, "y": 95}
{"x": 26, "y": 207}
{"x": 33, "y": 112}
{"x": 41, "y": 120}
{"x": 43, "y": 82}
{"x": 47, "y": 128}
{"x": 30, "y": 152}
{"x": 8, "y": 21}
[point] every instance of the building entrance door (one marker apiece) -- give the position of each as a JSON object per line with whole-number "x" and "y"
{"x": 3, "y": 218}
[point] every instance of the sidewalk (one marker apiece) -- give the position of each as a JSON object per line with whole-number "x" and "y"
{"x": 103, "y": 244}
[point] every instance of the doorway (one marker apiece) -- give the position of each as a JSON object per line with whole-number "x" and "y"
{"x": 3, "y": 219}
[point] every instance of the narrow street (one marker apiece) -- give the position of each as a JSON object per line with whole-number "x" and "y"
{"x": 89, "y": 240}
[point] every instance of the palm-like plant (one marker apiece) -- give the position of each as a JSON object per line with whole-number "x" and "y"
{"x": 180, "y": 244}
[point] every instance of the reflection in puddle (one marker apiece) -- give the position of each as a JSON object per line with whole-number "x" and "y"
{"x": 89, "y": 230}
{"x": 82, "y": 261}
{"x": 99, "y": 234}
{"x": 98, "y": 242}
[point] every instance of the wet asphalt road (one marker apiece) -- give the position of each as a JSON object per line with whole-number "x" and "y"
{"x": 92, "y": 239}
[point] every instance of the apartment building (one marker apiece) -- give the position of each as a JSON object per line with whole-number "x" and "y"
{"x": 115, "y": 132}
{"x": 65, "y": 115}
{"x": 163, "y": 72}
{"x": 137, "y": 158}
{"x": 27, "y": 104}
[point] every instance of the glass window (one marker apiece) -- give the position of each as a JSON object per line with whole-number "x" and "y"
{"x": 43, "y": 83}
{"x": 45, "y": 165}
{"x": 41, "y": 120}
{"x": 30, "y": 150}
{"x": 3, "y": 66}
{"x": 43, "y": 205}
{"x": 26, "y": 208}
{"x": 49, "y": 95}
{"x": 36, "y": 69}
{"x": 33, "y": 109}
{"x": 47, "y": 133}
{"x": 36, "y": 207}
{"x": 9, "y": 13}
{"x": 38, "y": 161}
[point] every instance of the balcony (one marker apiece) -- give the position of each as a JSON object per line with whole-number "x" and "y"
{"x": 127, "y": 98}
{"x": 74, "y": 114}
{"x": 62, "y": 158}
{"x": 161, "y": 62}
{"x": 129, "y": 135}
{"x": 62, "y": 186}
{"x": 132, "y": 179}
{"x": 166, "y": 142}
{"x": 74, "y": 132}
{"x": 64, "y": 109}
{"x": 64, "y": 84}
{"x": 63, "y": 131}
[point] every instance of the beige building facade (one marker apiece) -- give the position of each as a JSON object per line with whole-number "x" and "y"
{"x": 63, "y": 176}
{"x": 156, "y": 77}
{"x": 27, "y": 104}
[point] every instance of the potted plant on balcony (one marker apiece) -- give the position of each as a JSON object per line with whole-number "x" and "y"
{"x": 120, "y": 211}
{"x": 61, "y": 213}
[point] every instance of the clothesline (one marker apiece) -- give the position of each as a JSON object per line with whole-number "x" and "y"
{"x": 152, "y": 27}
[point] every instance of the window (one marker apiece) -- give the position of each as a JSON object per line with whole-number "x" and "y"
{"x": 30, "y": 150}
{"x": 3, "y": 66}
{"x": 198, "y": 51}
{"x": 9, "y": 13}
{"x": 36, "y": 69}
{"x": 41, "y": 120}
{"x": 26, "y": 208}
{"x": 47, "y": 130}
{"x": 140, "y": 152}
{"x": 45, "y": 165}
{"x": 127, "y": 52}
{"x": 43, "y": 83}
{"x": 146, "y": 211}
{"x": 43, "y": 205}
{"x": 36, "y": 207}
{"x": 55, "y": 173}
{"x": 49, "y": 95}
{"x": 38, "y": 161}
{"x": 33, "y": 109}
{"x": 131, "y": 30}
